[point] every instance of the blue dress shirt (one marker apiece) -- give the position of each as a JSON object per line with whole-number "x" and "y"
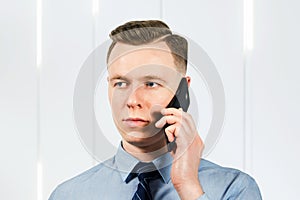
{"x": 107, "y": 181}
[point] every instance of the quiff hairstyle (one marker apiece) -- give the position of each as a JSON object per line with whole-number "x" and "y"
{"x": 150, "y": 31}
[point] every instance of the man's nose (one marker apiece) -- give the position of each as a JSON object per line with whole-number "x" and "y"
{"x": 135, "y": 98}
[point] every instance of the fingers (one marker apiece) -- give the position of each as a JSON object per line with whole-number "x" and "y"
{"x": 172, "y": 111}
{"x": 174, "y": 131}
{"x": 181, "y": 124}
{"x": 171, "y": 116}
{"x": 171, "y": 119}
{"x": 170, "y": 130}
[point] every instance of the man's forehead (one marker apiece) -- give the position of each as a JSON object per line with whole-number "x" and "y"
{"x": 145, "y": 71}
{"x": 120, "y": 50}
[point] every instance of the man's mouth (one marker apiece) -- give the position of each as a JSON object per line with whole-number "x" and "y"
{"x": 135, "y": 122}
{"x": 135, "y": 119}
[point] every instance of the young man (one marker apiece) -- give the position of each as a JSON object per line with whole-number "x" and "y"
{"x": 160, "y": 153}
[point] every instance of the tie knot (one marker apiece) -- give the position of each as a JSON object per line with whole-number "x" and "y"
{"x": 147, "y": 176}
{"x": 143, "y": 167}
{"x": 144, "y": 172}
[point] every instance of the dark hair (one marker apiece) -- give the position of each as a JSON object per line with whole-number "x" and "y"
{"x": 146, "y": 32}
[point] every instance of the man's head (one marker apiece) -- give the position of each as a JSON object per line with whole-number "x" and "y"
{"x": 145, "y": 64}
{"x": 148, "y": 32}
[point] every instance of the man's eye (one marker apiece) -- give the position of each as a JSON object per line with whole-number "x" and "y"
{"x": 152, "y": 84}
{"x": 120, "y": 84}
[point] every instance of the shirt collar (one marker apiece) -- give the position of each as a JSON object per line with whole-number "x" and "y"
{"x": 126, "y": 163}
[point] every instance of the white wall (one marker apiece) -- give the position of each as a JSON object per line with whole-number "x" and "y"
{"x": 67, "y": 28}
{"x": 36, "y": 105}
{"x": 18, "y": 100}
{"x": 275, "y": 87}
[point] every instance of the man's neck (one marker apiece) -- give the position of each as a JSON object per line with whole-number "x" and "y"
{"x": 145, "y": 154}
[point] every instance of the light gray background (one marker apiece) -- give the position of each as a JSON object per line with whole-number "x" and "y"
{"x": 261, "y": 131}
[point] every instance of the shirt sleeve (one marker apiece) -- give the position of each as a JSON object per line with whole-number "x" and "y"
{"x": 242, "y": 187}
{"x": 250, "y": 191}
{"x": 52, "y": 196}
{"x": 203, "y": 197}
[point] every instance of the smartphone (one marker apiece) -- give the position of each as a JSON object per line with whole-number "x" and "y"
{"x": 181, "y": 99}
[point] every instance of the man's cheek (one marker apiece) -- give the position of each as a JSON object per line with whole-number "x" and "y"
{"x": 155, "y": 112}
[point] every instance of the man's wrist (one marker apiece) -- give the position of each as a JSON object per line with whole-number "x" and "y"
{"x": 189, "y": 191}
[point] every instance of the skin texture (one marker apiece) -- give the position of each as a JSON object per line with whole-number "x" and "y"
{"x": 142, "y": 81}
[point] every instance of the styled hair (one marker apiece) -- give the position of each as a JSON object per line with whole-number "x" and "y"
{"x": 149, "y": 31}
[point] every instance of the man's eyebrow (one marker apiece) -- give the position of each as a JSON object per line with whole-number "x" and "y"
{"x": 118, "y": 77}
{"x": 153, "y": 77}
{"x": 143, "y": 78}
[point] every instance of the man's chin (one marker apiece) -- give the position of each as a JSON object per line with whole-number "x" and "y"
{"x": 135, "y": 135}
{"x": 144, "y": 139}
{"x": 142, "y": 132}
{"x": 148, "y": 145}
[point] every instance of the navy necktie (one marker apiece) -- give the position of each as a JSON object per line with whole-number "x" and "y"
{"x": 145, "y": 173}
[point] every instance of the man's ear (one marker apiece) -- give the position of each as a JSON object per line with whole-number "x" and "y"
{"x": 188, "y": 80}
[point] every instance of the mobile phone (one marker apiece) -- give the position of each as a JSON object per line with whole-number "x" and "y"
{"x": 181, "y": 99}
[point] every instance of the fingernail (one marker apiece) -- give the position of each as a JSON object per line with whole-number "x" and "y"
{"x": 157, "y": 124}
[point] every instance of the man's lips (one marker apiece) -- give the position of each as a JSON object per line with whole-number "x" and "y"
{"x": 135, "y": 119}
{"x": 135, "y": 122}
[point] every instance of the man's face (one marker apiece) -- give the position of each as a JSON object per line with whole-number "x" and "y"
{"x": 142, "y": 81}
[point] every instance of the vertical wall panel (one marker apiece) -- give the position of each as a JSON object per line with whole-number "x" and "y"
{"x": 275, "y": 84}
{"x": 18, "y": 100}
{"x": 217, "y": 27}
{"x": 66, "y": 42}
